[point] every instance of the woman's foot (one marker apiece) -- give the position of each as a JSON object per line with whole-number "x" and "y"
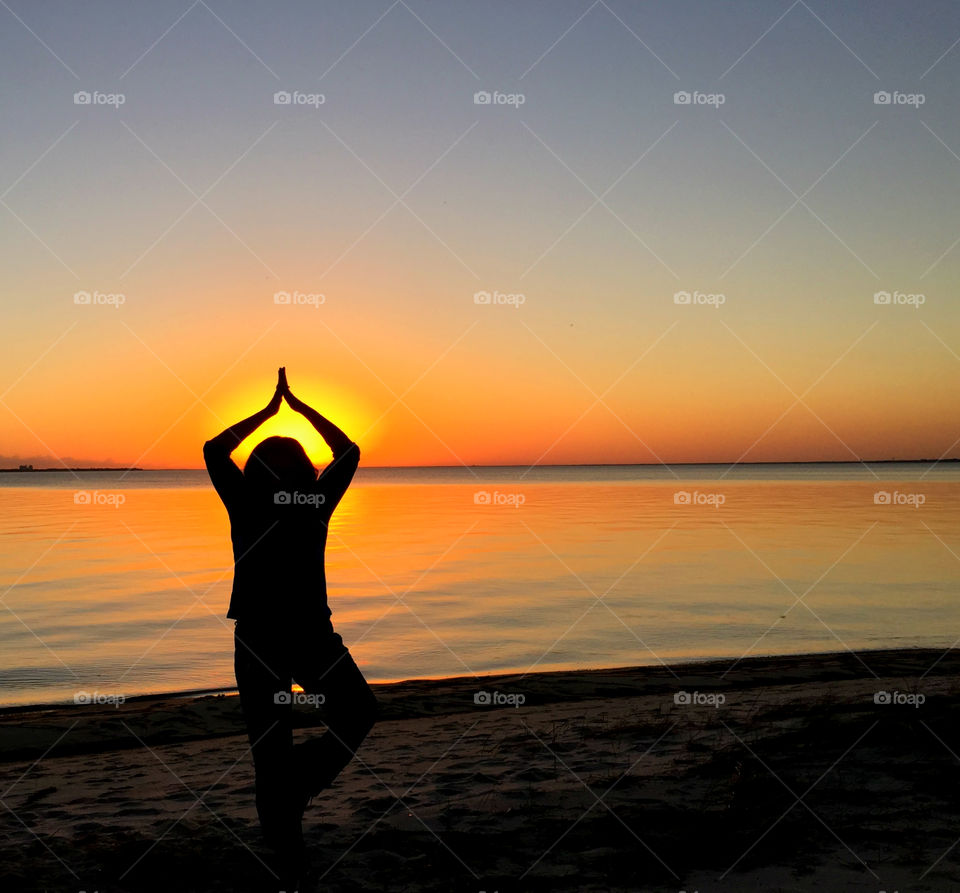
{"x": 288, "y": 863}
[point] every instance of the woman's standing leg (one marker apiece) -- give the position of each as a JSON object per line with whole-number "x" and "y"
{"x": 263, "y": 681}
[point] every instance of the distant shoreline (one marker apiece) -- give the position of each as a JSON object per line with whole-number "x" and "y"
{"x": 91, "y": 468}
{"x": 538, "y": 465}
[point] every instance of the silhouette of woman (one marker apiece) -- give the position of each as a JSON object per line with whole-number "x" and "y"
{"x": 279, "y": 512}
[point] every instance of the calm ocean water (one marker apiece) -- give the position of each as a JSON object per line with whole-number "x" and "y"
{"x": 118, "y": 583}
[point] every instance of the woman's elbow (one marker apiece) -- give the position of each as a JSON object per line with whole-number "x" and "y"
{"x": 349, "y": 449}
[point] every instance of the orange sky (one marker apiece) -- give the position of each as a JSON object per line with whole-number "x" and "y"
{"x": 496, "y": 396}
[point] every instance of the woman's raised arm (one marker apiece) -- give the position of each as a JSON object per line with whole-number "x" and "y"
{"x": 338, "y": 442}
{"x": 227, "y": 441}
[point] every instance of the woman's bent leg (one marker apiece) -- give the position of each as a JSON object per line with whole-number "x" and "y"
{"x": 350, "y": 711}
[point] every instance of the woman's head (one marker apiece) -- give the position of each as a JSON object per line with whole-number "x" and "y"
{"x": 279, "y": 463}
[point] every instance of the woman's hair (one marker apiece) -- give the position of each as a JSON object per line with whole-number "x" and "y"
{"x": 279, "y": 463}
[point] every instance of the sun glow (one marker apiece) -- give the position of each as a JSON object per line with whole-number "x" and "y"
{"x": 345, "y": 409}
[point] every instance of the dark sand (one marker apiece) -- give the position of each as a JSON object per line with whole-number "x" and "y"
{"x": 600, "y": 781}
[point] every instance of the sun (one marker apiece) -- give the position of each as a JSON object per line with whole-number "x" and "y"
{"x": 346, "y": 410}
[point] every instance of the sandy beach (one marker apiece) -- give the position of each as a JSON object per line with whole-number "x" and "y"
{"x": 776, "y": 774}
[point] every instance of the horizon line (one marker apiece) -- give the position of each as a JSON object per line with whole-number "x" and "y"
{"x": 523, "y": 465}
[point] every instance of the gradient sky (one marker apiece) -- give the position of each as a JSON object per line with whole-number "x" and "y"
{"x": 399, "y": 198}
